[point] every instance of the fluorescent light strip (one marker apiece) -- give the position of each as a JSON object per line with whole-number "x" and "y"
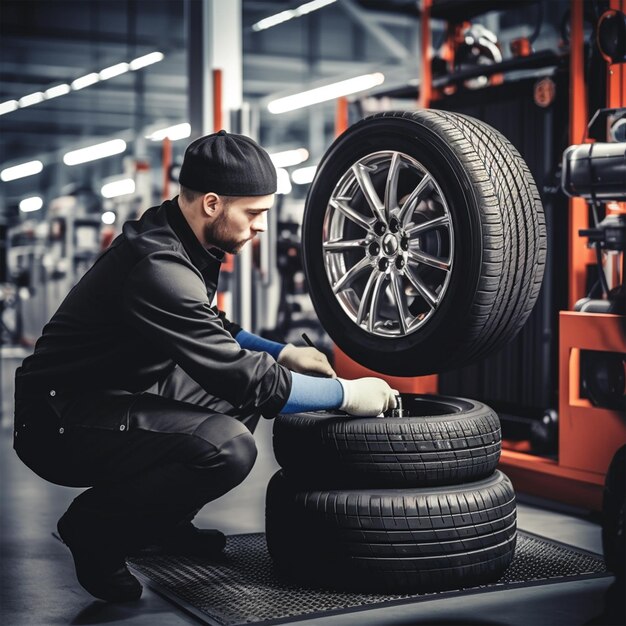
{"x": 31, "y": 98}
{"x": 97, "y": 151}
{"x": 55, "y": 92}
{"x": 327, "y": 92}
{"x": 178, "y": 131}
{"x": 146, "y": 59}
{"x": 8, "y": 106}
{"x": 34, "y": 203}
{"x": 85, "y": 81}
{"x": 80, "y": 83}
{"x": 118, "y": 188}
{"x": 284, "y": 16}
{"x": 20, "y": 171}
{"x": 304, "y": 175}
{"x": 288, "y": 158}
{"x": 114, "y": 70}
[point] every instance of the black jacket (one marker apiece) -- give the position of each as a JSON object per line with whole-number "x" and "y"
{"x": 143, "y": 307}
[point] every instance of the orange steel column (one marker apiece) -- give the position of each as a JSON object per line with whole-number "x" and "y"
{"x": 167, "y": 162}
{"x": 341, "y": 116}
{"x": 228, "y": 264}
{"x": 426, "y": 78}
{"x": 579, "y": 255}
{"x": 217, "y": 100}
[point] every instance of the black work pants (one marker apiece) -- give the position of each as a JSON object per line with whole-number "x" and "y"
{"x": 151, "y": 460}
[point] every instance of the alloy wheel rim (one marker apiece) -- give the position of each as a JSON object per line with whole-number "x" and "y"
{"x": 388, "y": 244}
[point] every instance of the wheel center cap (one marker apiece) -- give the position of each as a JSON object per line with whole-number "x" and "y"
{"x": 390, "y": 244}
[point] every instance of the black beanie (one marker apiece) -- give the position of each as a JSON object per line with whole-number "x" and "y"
{"x": 229, "y": 165}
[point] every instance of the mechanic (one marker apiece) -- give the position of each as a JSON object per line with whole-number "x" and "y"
{"x": 141, "y": 390}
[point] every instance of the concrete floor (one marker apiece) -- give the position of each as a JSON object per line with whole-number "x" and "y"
{"x": 38, "y": 587}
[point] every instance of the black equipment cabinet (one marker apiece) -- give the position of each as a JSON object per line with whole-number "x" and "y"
{"x": 522, "y": 378}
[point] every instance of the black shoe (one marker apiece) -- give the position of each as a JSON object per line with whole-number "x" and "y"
{"x": 100, "y": 569}
{"x": 187, "y": 540}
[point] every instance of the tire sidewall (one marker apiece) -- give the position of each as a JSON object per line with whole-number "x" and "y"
{"x": 327, "y": 448}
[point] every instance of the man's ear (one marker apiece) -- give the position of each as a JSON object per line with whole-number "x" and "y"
{"x": 210, "y": 202}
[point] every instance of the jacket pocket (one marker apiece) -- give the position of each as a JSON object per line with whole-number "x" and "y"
{"x": 108, "y": 409}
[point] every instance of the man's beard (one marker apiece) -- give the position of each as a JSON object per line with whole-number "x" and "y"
{"x": 216, "y": 234}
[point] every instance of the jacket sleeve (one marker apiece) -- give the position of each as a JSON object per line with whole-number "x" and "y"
{"x": 165, "y": 300}
{"x": 232, "y": 327}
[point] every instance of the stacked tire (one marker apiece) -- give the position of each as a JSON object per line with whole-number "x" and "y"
{"x": 392, "y": 504}
{"x": 424, "y": 247}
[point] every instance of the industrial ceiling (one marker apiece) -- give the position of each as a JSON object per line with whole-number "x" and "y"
{"x": 45, "y": 45}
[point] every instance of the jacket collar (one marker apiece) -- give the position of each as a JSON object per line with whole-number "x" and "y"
{"x": 208, "y": 262}
{"x": 200, "y": 256}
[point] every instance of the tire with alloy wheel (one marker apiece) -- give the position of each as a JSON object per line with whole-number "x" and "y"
{"x": 441, "y": 441}
{"x": 392, "y": 540}
{"x": 423, "y": 241}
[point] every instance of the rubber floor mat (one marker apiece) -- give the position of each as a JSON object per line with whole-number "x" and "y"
{"x": 243, "y": 588}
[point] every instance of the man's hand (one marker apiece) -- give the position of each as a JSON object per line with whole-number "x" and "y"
{"x": 305, "y": 361}
{"x": 367, "y": 396}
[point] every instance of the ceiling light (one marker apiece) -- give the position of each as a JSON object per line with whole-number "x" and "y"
{"x": 59, "y": 90}
{"x": 85, "y": 81}
{"x": 327, "y": 92}
{"x": 33, "y": 203}
{"x": 108, "y": 217}
{"x": 118, "y": 188}
{"x": 284, "y": 16}
{"x": 146, "y": 59}
{"x": 31, "y": 98}
{"x": 81, "y": 83}
{"x": 178, "y": 131}
{"x": 91, "y": 153}
{"x": 304, "y": 175}
{"x": 283, "y": 183}
{"x": 114, "y": 70}
{"x": 22, "y": 170}
{"x": 289, "y": 157}
{"x": 8, "y": 106}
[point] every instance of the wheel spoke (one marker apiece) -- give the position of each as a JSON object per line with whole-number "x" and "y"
{"x": 427, "y": 259}
{"x": 400, "y": 303}
{"x": 361, "y": 173}
{"x": 378, "y": 289}
{"x": 391, "y": 187}
{"x": 367, "y": 207}
{"x": 422, "y": 289}
{"x": 444, "y": 220}
{"x": 351, "y": 274}
{"x": 341, "y": 245}
{"x": 411, "y": 202}
{"x": 365, "y": 298}
{"x": 343, "y": 207}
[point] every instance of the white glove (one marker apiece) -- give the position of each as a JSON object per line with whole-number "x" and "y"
{"x": 305, "y": 360}
{"x": 367, "y": 396}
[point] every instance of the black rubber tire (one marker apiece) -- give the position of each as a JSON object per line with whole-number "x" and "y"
{"x": 394, "y": 540}
{"x": 614, "y": 515}
{"x": 500, "y": 240}
{"x": 446, "y": 441}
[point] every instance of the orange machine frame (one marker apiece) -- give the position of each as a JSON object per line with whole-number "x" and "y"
{"x": 588, "y": 436}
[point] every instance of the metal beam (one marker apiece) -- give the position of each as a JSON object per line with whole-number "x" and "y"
{"x": 365, "y": 20}
{"x": 14, "y": 35}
